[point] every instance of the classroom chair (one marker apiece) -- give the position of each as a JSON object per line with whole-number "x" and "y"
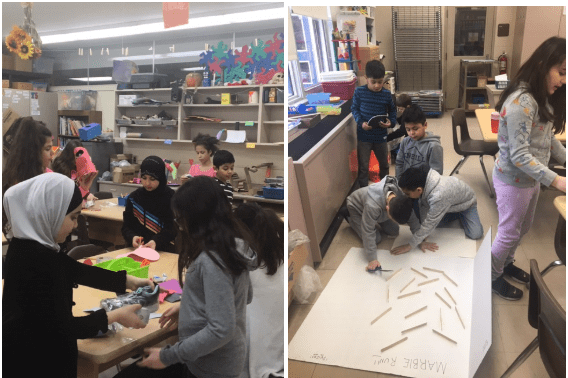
{"x": 103, "y": 195}
{"x": 549, "y": 318}
{"x": 467, "y": 146}
{"x": 559, "y": 246}
{"x": 84, "y": 251}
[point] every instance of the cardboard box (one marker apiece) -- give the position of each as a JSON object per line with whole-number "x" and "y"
{"x": 125, "y": 174}
{"x": 295, "y": 262}
{"x": 368, "y": 53}
{"x": 470, "y": 106}
{"x": 120, "y": 157}
{"x": 22, "y": 64}
{"x": 8, "y": 117}
{"x": 22, "y": 86}
{"x": 5, "y": 83}
{"x": 481, "y": 81}
{"x": 7, "y": 62}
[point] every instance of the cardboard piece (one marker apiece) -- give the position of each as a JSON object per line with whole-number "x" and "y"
{"x": 172, "y": 284}
{"x": 337, "y": 331}
{"x": 8, "y": 117}
{"x": 125, "y": 174}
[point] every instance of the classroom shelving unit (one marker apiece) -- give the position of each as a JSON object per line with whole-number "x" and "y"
{"x": 469, "y": 70}
{"x": 86, "y": 116}
{"x": 267, "y": 118}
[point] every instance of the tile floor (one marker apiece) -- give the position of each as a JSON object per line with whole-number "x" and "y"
{"x": 511, "y": 330}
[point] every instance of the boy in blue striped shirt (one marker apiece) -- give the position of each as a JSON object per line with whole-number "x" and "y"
{"x": 368, "y": 101}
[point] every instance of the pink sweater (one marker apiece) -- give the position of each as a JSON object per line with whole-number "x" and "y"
{"x": 195, "y": 170}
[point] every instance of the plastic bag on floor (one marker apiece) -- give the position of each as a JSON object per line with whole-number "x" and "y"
{"x": 295, "y": 238}
{"x": 307, "y": 284}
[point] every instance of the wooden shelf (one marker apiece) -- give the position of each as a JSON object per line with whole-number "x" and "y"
{"x": 273, "y": 122}
{"x": 28, "y": 75}
{"x": 216, "y": 105}
{"x": 67, "y": 136}
{"x": 148, "y": 106}
{"x": 143, "y": 90}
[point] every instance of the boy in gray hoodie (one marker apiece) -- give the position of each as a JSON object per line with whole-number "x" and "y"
{"x": 420, "y": 148}
{"x": 367, "y": 208}
{"x": 441, "y": 199}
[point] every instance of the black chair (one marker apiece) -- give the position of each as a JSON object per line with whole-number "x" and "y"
{"x": 559, "y": 245}
{"x": 467, "y": 146}
{"x": 549, "y": 318}
{"x": 103, "y": 195}
{"x": 84, "y": 251}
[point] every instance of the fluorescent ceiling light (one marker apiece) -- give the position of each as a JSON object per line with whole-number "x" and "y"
{"x": 160, "y": 56}
{"x": 200, "y": 22}
{"x": 193, "y": 69}
{"x": 100, "y": 78}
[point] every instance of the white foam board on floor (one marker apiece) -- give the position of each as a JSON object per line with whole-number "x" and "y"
{"x": 451, "y": 241}
{"x": 338, "y": 329}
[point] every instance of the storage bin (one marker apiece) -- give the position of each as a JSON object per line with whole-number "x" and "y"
{"x": 122, "y": 201}
{"x": 155, "y": 122}
{"x": 141, "y": 122}
{"x": 273, "y": 193}
{"x": 90, "y": 131}
{"x": 341, "y": 89}
{"x": 172, "y": 122}
{"x": 501, "y": 84}
{"x": 77, "y": 100}
{"x": 131, "y": 266}
{"x": 123, "y": 121}
{"x": 478, "y": 99}
{"x": 40, "y": 87}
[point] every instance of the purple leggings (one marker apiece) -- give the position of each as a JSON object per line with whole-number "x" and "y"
{"x": 516, "y": 208}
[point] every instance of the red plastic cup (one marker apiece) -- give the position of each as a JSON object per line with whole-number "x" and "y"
{"x": 494, "y": 122}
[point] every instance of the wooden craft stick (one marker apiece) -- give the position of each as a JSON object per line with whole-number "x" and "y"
{"x": 447, "y": 304}
{"x": 398, "y": 342}
{"x": 378, "y": 317}
{"x": 452, "y": 281}
{"x": 433, "y": 270}
{"x": 394, "y": 274}
{"x": 415, "y": 312}
{"x": 444, "y": 336}
{"x": 427, "y": 282}
{"x": 461, "y": 321}
{"x": 422, "y": 274}
{"x": 408, "y": 284}
{"x": 413, "y": 328}
{"x": 450, "y": 295}
{"x": 409, "y": 294}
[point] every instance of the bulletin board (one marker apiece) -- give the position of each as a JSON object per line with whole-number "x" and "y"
{"x": 375, "y": 321}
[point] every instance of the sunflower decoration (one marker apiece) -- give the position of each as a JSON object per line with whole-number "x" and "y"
{"x": 20, "y": 42}
{"x": 26, "y": 50}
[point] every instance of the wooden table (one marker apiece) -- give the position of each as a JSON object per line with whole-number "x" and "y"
{"x": 560, "y": 205}
{"x": 484, "y": 120}
{"x": 4, "y": 241}
{"x": 106, "y": 224}
{"x": 99, "y": 354}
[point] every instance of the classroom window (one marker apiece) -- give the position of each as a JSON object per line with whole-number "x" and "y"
{"x": 469, "y": 35}
{"x": 295, "y": 88}
{"x": 313, "y": 39}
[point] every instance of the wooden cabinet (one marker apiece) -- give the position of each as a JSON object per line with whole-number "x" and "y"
{"x": 85, "y": 116}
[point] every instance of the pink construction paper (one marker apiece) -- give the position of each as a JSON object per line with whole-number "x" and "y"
{"x": 143, "y": 253}
{"x": 172, "y": 284}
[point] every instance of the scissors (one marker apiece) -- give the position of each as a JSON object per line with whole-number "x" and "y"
{"x": 378, "y": 269}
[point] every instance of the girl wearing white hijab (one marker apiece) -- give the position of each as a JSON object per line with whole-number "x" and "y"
{"x": 39, "y": 331}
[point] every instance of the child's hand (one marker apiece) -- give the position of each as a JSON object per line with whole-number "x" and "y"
{"x": 401, "y": 249}
{"x": 170, "y": 317}
{"x": 151, "y": 359}
{"x": 127, "y": 316}
{"x": 386, "y": 124}
{"x": 428, "y": 246}
{"x": 373, "y": 265}
{"x": 150, "y": 244}
{"x": 133, "y": 283}
{"x": 559, "y": 183}
{"x": 366, "y": 126}
{"x": 137, "y": 241}
{"x": 184, "y": 179}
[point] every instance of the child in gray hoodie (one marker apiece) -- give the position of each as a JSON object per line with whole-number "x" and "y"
{"x": 368, "y": 208}
{"x": 441, "y": 199}
{"x": 420, "y": 148}
{"x": 216, "y": 258}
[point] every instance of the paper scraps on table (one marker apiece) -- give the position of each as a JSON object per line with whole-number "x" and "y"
{"x": 172, "y": 284}
{"x": 139, "y": 254}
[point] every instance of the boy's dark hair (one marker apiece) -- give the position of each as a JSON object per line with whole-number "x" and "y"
{"x": 268, "y": 231}
{"x": 413, "y": 178}
{"x": 400, "y": 209}
{"x": 207, "y": 141}
{"x": 222, "y": 157}
{"x": 533, "y": 72}
{"x": 403, "y": 100}
{"x": 374, "y": 70}
{"x": 65, "y": 162}
{"x": 414, "y": 114}
{"x": 207, "y": 225}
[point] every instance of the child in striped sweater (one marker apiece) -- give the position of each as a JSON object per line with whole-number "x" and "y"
{"x": 224, "y": 165}
{"x": 369, "y": 101}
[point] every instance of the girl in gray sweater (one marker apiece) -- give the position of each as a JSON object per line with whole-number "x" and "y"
{"x": 532, "y": 111}
{"x": 215, "y": 259}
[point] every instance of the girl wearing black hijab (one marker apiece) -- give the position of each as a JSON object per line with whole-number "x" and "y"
{"x": 38, "y": 325}
{"x": 148, "y": 217}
